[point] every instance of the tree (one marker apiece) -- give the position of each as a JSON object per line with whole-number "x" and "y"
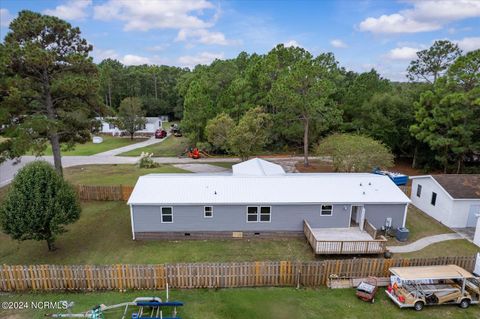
{"x": 447, "y": 116}
{"x": 217, "y": 131}
{"x": 303, "y": 91}
{"x": 355, "y": 153}
{"x": 38, "y": 205}
{"x": 250, "y": 134}
{"x": 131, "y": 116}
{"x": 52, "y": 93}
{"x": 433, "y": 62}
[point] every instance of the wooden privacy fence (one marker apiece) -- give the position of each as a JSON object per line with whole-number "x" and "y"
{"x": 116, "y": 192}
{"x": 204, "y": 275}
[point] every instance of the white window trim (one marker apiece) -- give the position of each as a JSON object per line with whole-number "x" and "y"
{"x": 161, "y": 214}
{"x": 204, "y": 211}
{"x": 331, "y": 212}
{"x": 246, "y": 215}
{"x": 260, "y": 214}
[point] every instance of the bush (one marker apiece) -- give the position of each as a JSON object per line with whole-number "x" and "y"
{"x": 38, "y": 204}
{"x": 146, "y": 161}
{"x": 355, "y": 153}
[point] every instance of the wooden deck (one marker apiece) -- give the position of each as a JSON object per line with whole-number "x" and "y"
{"x": 345, "y": 240}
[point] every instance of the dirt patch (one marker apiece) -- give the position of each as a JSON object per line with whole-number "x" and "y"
{"x": 318, "y": 166}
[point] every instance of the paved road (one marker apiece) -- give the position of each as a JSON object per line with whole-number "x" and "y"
{"x": 423, "y": 242}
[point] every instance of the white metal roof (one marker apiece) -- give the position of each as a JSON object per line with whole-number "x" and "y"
{"x": 430, "y": 272}
{"x": 257, "y": 167}
{"x": 184, "y": 189}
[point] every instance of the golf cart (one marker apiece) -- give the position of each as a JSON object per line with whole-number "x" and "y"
{"x": 416, "y": 287}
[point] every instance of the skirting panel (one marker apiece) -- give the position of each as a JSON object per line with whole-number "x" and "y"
{"x": 216, "y": 234}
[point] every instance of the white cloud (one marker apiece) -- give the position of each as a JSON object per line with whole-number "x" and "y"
{"x": 144, "y": 15}
{"x": 291, "y": 43}
{"x": 403, "y": 53}
{"x": 469, "y": 44}
{"x": 203, "y": 36}
{"x": 425, "y": 16}
{"x": 102, "y": 54}
{"x": 71, "y": 10}
{"x": 202, "y": 58}
{"x": 337, "y": 43}
{"x": 5, "y": 17}
{"x": 131, "y": 59}
{"x": 158, "y": 47}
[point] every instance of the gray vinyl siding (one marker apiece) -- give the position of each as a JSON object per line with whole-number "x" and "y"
{"x": 377, "y": 214}
{"x": 233, "y": 218}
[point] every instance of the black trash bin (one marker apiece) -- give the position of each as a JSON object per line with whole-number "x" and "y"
{"x": 402, "y": 234}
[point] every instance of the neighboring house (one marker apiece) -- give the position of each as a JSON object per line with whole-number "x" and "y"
{"x": 152, "y": 124}
{"x": 260, "y": 199}
{"x": 453, "y": 200}
{"x": 164, "y": 118}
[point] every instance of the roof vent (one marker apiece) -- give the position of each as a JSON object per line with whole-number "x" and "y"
{"x": 363, "y": 193}
{"x": 361, "y": 184}
{"x": 369, "y": 184}
{"x": 215, "y": 192}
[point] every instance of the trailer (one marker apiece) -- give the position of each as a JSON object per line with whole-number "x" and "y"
{"x": 416, "y": 287}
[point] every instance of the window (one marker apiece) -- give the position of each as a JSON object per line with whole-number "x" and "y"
{"x": 111, "y": 126}
{"x": 265, "y": 214}
{"x": 419, "y": 190}
{"x": 167, "y": 215}
{"x": 142, "y": 126}
{"x": 326, "y": 210}
{"x": 208, "y": 211}
{"x": 252, "y": 214}
{"x": 434, "y": 198}
{"x": 262, "y": 214}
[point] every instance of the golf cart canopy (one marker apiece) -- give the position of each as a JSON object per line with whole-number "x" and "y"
{"x": 431, "y": 272}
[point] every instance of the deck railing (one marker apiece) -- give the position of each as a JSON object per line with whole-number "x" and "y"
{"x": 373, "y": 246}
{"x": 370, "y": 229}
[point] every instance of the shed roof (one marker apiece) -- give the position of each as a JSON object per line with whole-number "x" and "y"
{"x": 430, "y": 272}
{"x": 460, "y": 185}
{"x": 298, "y": 188}
{"x": 257, "y": 167}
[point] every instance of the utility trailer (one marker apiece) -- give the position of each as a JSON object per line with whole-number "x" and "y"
{"x": 416, "y": 287}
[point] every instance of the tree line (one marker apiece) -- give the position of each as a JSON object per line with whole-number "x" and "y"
{"x": 284, "y": 100}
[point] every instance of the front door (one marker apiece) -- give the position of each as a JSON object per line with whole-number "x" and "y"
{"x": 472, "y": 215}
{"x": 356, "y": 216}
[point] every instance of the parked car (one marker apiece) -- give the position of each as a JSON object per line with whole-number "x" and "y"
{"x": 160, "y": 133}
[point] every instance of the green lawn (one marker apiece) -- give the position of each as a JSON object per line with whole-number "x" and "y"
{"x": 224, "y": 164}
{"x": 459, "y": 247}
{"x": 103, "y": 236}
{"x": 249, "y": 303}
{"x": 171, "y": 147}
{"x": 109, "y": 143}
{"x": 420, "y": 225}
{"x": 114, "y": 174}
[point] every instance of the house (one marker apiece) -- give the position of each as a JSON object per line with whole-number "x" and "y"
{"x": 453, "y": 200}
{"x": 152, "y": 124}
{"x": 260, "y": 199}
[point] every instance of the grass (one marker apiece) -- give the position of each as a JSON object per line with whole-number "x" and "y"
{"x": 223, "y": 164}
{"x": 460, "y": 247}
{"x": 115, "y": 174}
{"x": 103, "y": 236}
{"x": 109, "y": 143}
{"x": 171, "y": 147}
{"x": 251, "y": 303}
{"x": 420, "y": 225}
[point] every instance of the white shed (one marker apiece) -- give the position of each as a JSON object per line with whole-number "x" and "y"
{"x": 453, "y": 200}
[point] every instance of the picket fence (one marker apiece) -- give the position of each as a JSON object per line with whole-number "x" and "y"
{"x": 204, "y": 275}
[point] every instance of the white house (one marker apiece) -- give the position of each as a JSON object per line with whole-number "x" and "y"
{"x": 152, "y": 124}
{"x": 453, "y": 200}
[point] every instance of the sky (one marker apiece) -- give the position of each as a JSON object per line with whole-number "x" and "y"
{"x": 362, "y": 34}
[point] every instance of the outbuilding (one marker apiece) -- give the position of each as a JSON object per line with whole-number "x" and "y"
{"x": 260, "y": 199}
{"x": 452, "y": 199}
